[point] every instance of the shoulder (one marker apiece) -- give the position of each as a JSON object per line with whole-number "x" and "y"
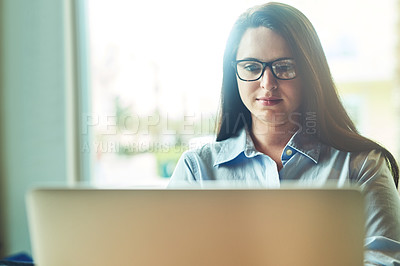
{"x": 355, "y": 159}
{"x": 195, "y": 165}
{"x": 207, "y": 153}
{"x": 359, "y": 166}
{"x": 367, "y": 157}
{"x": 219, "y": 151}
{"x": 202, "y": 163}
{"x": 362, "y": 166}
{"x": 369, "y": 165}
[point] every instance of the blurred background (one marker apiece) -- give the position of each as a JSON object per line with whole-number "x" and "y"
{"x": 110, "y": 93}
{"x": 155, "y": 74}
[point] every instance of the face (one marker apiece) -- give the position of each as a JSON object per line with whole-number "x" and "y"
{"x": 271, "y": 101}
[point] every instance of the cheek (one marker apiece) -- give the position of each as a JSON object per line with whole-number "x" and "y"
{"x": 244, "y": 93}
{"x": 245, "y": 89}
{"x": 241, "y": 88}
{"x": 297, "y": 93}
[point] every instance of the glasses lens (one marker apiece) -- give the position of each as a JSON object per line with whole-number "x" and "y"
{"x": 249, "y": 70}
{"x": 284, "y": 69}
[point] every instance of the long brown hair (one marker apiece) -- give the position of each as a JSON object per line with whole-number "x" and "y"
{"x": 320, "y": 98}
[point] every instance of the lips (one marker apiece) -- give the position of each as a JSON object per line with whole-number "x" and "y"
{"x": 269, "y": 101}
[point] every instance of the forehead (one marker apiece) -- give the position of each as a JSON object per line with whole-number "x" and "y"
{"x": 263, "y": 44}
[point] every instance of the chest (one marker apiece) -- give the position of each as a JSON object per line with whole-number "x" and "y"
{"x": 264, "y": 170}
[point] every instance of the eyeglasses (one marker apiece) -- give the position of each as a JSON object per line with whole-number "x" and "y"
{"x": 252, "y": 69}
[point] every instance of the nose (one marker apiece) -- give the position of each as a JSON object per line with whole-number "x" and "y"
{"x": 268, "y": 80}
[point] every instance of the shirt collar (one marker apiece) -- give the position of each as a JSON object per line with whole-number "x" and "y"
{"x": 306, "y": 144}
{"x": 231, "y": 148}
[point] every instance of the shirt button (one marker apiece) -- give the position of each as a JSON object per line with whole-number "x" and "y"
{"x": 289, "y": 152}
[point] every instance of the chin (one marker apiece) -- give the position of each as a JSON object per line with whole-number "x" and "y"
{"x": 273, "y": 120}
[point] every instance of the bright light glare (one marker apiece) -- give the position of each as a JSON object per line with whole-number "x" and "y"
{"x": 170, "y": 52}
{"x": 167, "y": 52}
{"x": 165, "y": 57}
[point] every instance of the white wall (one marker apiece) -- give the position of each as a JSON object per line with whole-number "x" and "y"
{"x": 34, "y": 111}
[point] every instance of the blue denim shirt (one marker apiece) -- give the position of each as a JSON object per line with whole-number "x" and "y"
{"x": 306, "y": 162}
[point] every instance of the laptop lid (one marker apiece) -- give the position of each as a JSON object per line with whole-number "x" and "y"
{"x": 309, "y": 227}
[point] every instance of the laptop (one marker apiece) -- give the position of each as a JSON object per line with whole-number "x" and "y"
{"x": 303, "y": 227}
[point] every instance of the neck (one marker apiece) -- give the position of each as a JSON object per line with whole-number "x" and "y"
{"x": 267, "y": 136}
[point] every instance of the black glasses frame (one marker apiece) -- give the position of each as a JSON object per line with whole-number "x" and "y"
{"x": 265, "y": 65}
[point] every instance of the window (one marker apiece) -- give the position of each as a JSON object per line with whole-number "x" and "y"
{"x": 156, "y": 71}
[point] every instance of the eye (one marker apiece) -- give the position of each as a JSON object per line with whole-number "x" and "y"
{"x": 250, "y": 66}
{"x": 284, "y": 67}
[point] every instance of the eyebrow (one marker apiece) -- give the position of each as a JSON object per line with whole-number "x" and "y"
{"x": 250, "y": 59}
{"x": 259, "y": 60}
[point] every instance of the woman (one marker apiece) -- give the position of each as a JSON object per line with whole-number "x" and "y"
{"x": 281, "y": 120}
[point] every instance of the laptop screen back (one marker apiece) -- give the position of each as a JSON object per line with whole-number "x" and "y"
{"x": 196, "y": 227}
